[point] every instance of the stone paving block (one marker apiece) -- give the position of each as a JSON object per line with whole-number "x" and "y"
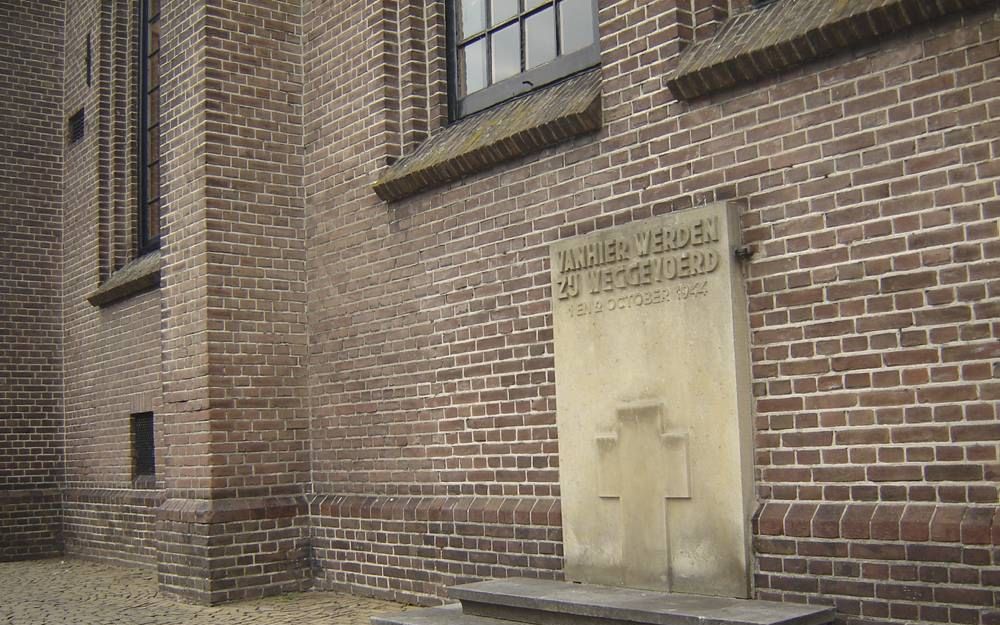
{"x": 79, "y": 592}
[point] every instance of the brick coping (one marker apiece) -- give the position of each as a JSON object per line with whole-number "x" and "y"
{"x": 515, "y": 128}
{"x": 140, "y": 275}
{"x": 968, "y": 524}
{"x": 776, "y": 37}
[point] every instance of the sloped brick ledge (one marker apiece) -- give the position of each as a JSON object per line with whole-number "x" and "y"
{"x": 779, "y": 36}
{"x": 140, "y": 275}
{"x": 488, "y": 510}
{"x": 516, "y": 128}
{"x": 219, "y": 511}
{"x": 966, "y": 524}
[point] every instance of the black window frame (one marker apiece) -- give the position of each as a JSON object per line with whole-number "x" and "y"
{"x": 145, "y": 244}
{"x": 561, "y": 67}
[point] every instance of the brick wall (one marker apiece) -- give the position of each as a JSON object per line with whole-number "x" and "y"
{"x": 417, "y": 393}
{"x": 410, "y": 548}
{"x": 112, "y": 355}
{"x": 869, "y": 184}
{"x": 401, "y": 436}
{"x": 115, "y": 525}
{"x": 33, "y": 128}
{"x": 234, "y": 331}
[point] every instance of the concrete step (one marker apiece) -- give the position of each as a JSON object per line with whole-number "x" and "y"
{"x": 545, "y": 602}
{"x": 445, "y": 615}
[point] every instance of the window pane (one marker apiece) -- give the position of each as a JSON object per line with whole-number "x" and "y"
{"x": 533, "y": 4}
{"x": 154, "y": 71}
{"x": 473, "y": 18}
{"x": 576, "y": 18}
{"x": 506, "y": 49}
{"x": 540, "y": 38}
{"x": 503, "y": 10}
{"x": 153, "y": 151}
{"x": 153, "y": 182}
{"x": 153, "y": 108}
{"x": 153, "y": 220}
{"x": 154, "y": 37}
{"x": 474, "y": 66}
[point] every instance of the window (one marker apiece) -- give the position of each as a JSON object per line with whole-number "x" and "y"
{"x": 148, "y": 222}
{"x": 143, "y": 448}
{"x": 502, "y": 48}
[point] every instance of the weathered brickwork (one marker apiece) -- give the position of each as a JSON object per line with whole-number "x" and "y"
{"x": 212, "y": 552}
{"x": 408, "y": 548}
{"x": 235, "y": 403}
{"x": 359, "y": 394}
{"x": 112, "y": 355}
{"x": 870, "y": 199}
{"x": 115, "y": 525}
{"x": 31, "y": 520}
{"x": 33, "y": 131}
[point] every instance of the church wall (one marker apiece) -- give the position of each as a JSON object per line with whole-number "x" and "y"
{"x": 235, "y": 521}
{"x": 112, "y": 351}
{"x": 32, "y": 126}
{"x": 868, "y": 187}
{"x": 433, "y": 432}
{"x": 357, "y": 394}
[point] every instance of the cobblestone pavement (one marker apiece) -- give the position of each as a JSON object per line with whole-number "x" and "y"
{"x": 78, "y": 592}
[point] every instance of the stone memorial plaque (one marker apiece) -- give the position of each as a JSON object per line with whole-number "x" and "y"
{"x": 653, "y": 401}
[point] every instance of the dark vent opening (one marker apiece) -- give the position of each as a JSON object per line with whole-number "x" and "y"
{"x": 143, "y": 449}
{"x": 89, "y": 61}
{"x": 76, "y": 127}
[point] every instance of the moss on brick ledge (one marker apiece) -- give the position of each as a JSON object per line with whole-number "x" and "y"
{"x": 510, "y": 130}
{"x": 141, "y": 274}
{"x": 779, "y": 36}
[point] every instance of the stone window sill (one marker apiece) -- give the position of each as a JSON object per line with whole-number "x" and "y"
{"x": 510, "y": 130}
{"x": 142, "y": 274}
{"x": 782, "y": 35}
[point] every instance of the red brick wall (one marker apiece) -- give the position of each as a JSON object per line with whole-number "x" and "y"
{"x": 234, "y": 324}
{"x": 115, "y": 525}
{"x": 33, "y": 131}
{"x": 112, "y": 355}
{"x": 234, "y": 252}
{"x": 403, "y": 431}
{"x": 870, "y": 185}
{"x": 418, "y": 395}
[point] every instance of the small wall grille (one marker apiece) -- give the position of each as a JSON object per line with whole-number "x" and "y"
{"x": 143, "y": 448}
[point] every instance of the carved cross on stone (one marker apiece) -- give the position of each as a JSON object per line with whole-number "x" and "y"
{"x": 642, "y": 465}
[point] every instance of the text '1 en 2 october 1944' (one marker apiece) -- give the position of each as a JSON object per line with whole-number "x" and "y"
{"x": 648, "y": 257}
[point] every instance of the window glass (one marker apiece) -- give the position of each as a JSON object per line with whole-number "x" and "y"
{"x": 576, "y": 21}
{"x": 153, "y": 151}
{"x": 539, "y": 38}
{"x": 505, "y": 45}
{"x": 473, "y": 17}
{"x": 148, "y": 222}
{"x": 500, "y": 49}
{"x": 474, "y": 66}
{"x": 502, "y": 10}
{"x": 153, "y": 225}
